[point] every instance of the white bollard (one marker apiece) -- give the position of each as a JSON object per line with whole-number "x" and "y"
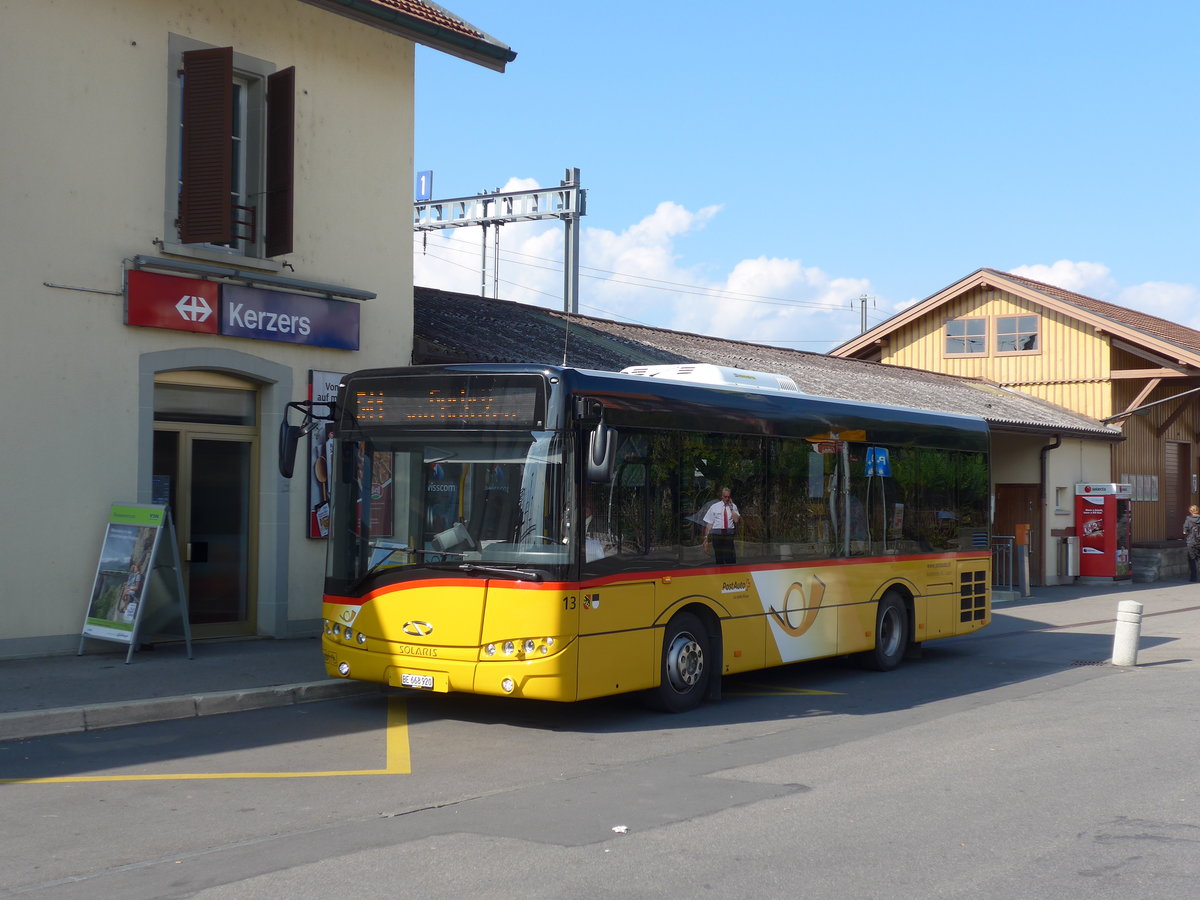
{"x": 1128, "y": 631}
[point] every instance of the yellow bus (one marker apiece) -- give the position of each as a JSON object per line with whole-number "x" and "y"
{"x": 540, "y": 532}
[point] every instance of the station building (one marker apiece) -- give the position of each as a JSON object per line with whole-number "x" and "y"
{"x": 201, "y": 201}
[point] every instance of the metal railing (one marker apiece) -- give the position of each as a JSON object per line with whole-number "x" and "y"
{"x": 1003, "y": 561}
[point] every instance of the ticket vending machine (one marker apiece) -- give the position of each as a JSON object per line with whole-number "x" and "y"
{"x": 1104, "y": 524}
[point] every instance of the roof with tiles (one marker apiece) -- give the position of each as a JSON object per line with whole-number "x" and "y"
{"x": 1169, "y": 331}
{"x": 432, "y": 13}
{"x": 426, "y": 23}
{"x": 452, "y": 327}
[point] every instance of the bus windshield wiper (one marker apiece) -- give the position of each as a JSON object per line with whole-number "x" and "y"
{"x": 518, "y": 574}
{"x": 383, "y": 561}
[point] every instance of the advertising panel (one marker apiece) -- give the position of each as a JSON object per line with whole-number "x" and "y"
{"x": 126, "y": 557}
{"x": 139, "y": 549}
{"x": 1103, "y": 521}
{"x": 322, "y": 388}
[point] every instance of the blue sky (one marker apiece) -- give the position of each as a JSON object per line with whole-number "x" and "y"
{"x": 753, "y": 169}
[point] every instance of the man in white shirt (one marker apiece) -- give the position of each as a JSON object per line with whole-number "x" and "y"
{"x": 720, "y": 519}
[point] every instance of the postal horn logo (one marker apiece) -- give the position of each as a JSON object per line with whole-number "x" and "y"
{"x": 418, "y": 629}
{"x": 808, "y": 606}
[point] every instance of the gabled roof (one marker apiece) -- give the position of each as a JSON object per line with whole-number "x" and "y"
{"x": 1173, "y": 342}
{"x": 1172, "y": 332}
{"x": 452, "y": 327}
{"x": 425, "y": 23}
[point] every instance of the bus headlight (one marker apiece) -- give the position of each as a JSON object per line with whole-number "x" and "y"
{"x": 522, "y": 648}
{"x": 361, "y": 638}
{"x": 508, "y": 685}
{"x": 344, "y": 669}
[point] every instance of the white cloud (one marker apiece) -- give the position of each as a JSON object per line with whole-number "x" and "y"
{"x": 1173, "y": 302}
{"x": 1087, "y": 278}
{"x": 637, "y": 275}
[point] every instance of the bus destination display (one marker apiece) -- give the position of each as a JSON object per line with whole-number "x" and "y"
{"x": 430, "y": 403}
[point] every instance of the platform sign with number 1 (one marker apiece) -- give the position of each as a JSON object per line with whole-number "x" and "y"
{"x": 424, "y": 189}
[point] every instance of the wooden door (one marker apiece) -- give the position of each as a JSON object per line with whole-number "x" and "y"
{"x": 1021, "y": 504}
{"x": 1177, "y": 486}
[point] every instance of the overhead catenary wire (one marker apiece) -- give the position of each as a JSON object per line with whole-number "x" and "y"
{"x": 635, "y": 281}
{"x": 646, "y": 281}
{"x": 534, "y": 290}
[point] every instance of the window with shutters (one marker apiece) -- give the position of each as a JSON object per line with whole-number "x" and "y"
{"x": 230, "y": 169}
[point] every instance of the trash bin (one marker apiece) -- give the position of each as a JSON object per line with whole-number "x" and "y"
{"x": 1068, "y": 557}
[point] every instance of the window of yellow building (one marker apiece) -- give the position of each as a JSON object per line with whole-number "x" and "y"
{"x": 966, "y": 337}
{"x": 1017, "y": 334}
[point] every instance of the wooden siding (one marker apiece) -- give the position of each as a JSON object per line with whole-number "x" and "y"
{"x": 1071, "y": 368}
{"x": 1143, "y": 452}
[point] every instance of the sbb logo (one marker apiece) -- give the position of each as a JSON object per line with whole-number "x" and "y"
{"x": 193, "y": 309}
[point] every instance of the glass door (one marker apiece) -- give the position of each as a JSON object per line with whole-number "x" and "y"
{"x": 205, "y": 472}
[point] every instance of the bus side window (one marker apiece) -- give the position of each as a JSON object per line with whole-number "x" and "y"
{"x": 629, "y": 497}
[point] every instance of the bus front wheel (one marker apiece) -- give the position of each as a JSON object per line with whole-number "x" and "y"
{"x": 891, "y": 634}
{"x": 686, "y": 666}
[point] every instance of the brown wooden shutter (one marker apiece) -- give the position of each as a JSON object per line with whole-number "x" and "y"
{"x": 205, "y": 207}
{"x": 281, "y": 138}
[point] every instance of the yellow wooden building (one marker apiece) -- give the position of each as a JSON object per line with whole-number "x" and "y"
{"x": 1137, "y": 371}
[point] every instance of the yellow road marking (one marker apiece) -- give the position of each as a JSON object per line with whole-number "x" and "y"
{"x": 396, "y": 761}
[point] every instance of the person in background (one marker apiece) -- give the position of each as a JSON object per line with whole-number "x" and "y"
{"x": 1191, "y": 534}
{"x": 720, "y": 520}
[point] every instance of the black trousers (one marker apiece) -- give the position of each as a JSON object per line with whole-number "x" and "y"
{"x": 722, "y": 545}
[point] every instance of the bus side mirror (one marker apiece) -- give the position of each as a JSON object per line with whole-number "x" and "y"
{"x": 289, "y": 435}
{"x": 602, "y": 454}
{"x": 289, "y": 439}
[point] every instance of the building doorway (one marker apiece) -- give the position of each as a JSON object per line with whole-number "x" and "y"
{"x": 1021, "y": 504}
{"x": 1177, "y": 462}
{"x": 204, "y": 466}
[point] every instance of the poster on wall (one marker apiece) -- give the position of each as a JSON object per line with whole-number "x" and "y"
{"x": 132, "y": 553}
{"x": 323, "y": 389}
{"x": 382, "y": 495}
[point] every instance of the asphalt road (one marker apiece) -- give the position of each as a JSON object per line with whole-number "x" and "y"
{"x": 1016, "y": 763}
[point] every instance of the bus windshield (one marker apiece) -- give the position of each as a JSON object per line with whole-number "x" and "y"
{"x": 492, "y": 502}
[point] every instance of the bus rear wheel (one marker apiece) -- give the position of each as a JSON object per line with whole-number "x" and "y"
{"x": 686, "y": 667}
{"x": 891, "y": 634}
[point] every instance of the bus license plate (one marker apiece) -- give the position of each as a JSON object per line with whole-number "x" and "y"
{"x": 416, "y": 681}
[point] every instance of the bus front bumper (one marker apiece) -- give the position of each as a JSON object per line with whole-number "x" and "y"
{"x": 551, "y": 677}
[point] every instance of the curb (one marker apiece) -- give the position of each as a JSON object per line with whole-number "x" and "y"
{"x": 15, "y": 726}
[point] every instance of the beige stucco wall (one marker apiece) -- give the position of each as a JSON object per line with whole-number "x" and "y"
{"x": 84, "y": 89}
{"x": 1016, "y": 459}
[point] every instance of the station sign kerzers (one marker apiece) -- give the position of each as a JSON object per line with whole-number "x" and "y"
{"x": 294, "y": 318}
{"x": 191, "y": 304}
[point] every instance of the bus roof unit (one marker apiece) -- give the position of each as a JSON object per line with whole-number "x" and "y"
{"x": 720, "y": 376}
